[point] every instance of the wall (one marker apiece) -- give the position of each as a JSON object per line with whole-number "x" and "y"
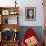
{"x": 39, "y": 12}
{"x": 27, "y": 3}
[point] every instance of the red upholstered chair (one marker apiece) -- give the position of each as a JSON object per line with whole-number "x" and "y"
{"x": 29, "y": 33}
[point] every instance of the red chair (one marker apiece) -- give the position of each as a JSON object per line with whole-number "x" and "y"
{"x": 29, "y": 33}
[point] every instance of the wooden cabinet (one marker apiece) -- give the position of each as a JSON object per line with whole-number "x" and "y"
{"x": 10, "y": 43}
{"x": 9, "y": 23}
{"x": 7, "y": 13}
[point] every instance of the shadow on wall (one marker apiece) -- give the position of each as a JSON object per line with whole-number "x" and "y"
{"x": 37, "y": 29}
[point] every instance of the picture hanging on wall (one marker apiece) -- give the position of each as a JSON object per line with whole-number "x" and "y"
{"x": 30, "y": 13}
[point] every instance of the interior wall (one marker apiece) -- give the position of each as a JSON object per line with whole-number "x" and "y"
{"x": 39, "y": 12}
{"x": 26, "y": 3}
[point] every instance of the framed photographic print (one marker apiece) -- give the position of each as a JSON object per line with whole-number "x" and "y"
{"x": 30, "y": 13}
{"x": 5, "y": 12}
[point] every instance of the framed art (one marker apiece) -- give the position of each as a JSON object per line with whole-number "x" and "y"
{"x": 30, "y": 13}
{"x": 5, "y": 12}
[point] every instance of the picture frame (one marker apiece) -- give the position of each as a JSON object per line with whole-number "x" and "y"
{"x": 30, "y": 13}
{"x": 5, "y": 12}
{"x": 5, "y": 20}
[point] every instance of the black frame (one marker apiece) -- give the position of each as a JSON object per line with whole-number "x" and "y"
{"x": 33, "y": 16}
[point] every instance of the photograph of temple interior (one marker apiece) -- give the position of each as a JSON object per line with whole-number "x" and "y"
{"x": 22, "y": 22}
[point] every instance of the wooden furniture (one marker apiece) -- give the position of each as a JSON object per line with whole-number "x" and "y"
{"x": 6, "y": 12}
{"x": 0, "y": 43}
{"x": 10, "y": 43}
{"x": 5, "y": 23}
{"x": 11, "y": 26}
